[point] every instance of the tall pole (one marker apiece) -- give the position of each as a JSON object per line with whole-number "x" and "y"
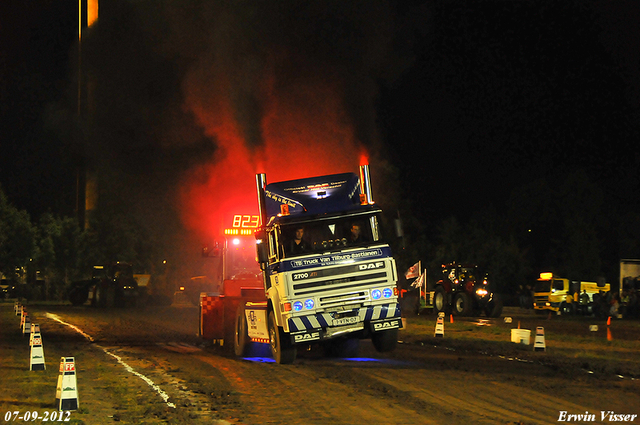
{"x": 80, "y": 173}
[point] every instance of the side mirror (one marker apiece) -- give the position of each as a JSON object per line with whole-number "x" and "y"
{"x": 261, "y": 247}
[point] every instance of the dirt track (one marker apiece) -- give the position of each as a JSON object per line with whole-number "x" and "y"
{"x": 426, "y": 380}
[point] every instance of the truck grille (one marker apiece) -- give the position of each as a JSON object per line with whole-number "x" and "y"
{"x": 344, "y": 299}
{"x": 340, "y": 282}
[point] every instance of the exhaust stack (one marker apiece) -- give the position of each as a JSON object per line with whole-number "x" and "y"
{"x": 365, "y": 185}
{"x": 261, "y": 184}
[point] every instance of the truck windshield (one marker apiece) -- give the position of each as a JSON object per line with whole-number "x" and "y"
{"x": 542, "y": 286}
{"x": 310, "y": 237}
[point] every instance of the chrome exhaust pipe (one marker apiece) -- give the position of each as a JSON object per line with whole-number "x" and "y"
{"x": 365, "y": 183}
{"x": 261, "y": 184}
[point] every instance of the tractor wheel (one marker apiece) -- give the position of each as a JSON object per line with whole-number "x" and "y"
{"x": 283, "y": 351}
{"x": 385, "y": 341}
{"x": 494, "y": 307}
{"x": 241, "y": 340}
{"x": 462, "y": 305}
{"x": 440, "y": 300}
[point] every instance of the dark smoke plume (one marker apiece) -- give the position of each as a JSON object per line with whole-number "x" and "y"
{"x": 185, "y": 100}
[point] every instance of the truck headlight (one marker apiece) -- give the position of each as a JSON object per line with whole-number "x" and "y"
{"x": 376, "y": 294}
{"x": 387, "y": 292}
{"x": 309, "y": 304}
{"x": 297, "y": 306}
{"x": 482, "y": 292}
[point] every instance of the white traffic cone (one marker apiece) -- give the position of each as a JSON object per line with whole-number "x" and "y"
{"x": 23, "y": 312}
{"x": 26, "y": 326}
{"x": 66, "y": 390}
{"x": 440, "y": 325}
{"x": 538, "y": 343}
{"x": 17, "y": 308}
{"x": 37, "y": 351}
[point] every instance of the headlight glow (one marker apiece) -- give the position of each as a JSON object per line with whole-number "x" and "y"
{"x": 376, "y": 294}
{"x": 387, "y": 292}
{"x": 297, "y": 306}
{"x": 482, "y": 292}
{"x": 309, "y": 304}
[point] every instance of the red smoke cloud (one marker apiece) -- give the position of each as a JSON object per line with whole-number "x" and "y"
{"x": 305, "y": 132}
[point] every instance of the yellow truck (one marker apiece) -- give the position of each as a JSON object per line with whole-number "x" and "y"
{"x": 553, "y": 293}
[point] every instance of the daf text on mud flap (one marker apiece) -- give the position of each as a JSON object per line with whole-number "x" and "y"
{"x": 309, "y": 336}
{"x": 390, "y": 324}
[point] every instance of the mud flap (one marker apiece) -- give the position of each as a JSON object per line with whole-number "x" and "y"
{"x": 257, "y": 327}
{"x": 306, "y": 336}
{"x": 386, "y": 324}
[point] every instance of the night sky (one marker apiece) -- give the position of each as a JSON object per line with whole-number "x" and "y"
{"x": 457, "y": 103}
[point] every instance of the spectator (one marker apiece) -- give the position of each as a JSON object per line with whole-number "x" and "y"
{"x": 584, "y": 302}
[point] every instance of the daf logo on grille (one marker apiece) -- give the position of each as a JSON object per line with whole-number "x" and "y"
{"x": 375, "y": 265}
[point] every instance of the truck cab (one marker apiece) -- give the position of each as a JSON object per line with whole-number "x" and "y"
{"x": 328, "y": 277}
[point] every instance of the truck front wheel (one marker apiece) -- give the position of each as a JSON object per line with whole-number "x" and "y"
{"x": 385, "y": 341}
{"x": 283, "y": 351}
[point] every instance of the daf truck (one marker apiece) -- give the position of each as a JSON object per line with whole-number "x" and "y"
{"x": 328, "y": 278}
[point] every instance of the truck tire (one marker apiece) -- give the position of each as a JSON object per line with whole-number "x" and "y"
{"x": 385, "y": 341}
{"x": 440, "y": 304}
{"x": 78, "y": 296}
{"x": 283, "y": 351}
{"x": 241, "y": 339}
{"x": 494, "y": 307}
{"x": 462, "y": 305}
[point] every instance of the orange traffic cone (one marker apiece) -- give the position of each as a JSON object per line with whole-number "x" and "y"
{"x": 609, "y": 336}
{"x": 451, "y": 318}
{"x": 609, "y": 321}
{"x": 518, "y": 324}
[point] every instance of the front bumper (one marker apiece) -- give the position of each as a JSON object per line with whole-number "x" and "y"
{"x": 326, "y": 326}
